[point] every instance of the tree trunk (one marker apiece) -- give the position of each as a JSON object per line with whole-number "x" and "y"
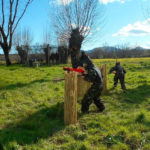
{"x": 75, "y": 55}
{"x": 46, "y": 55}
{"x": 75, "y": 43}
{"x": 63, "y": 54}
{"x": 7, "y": 59}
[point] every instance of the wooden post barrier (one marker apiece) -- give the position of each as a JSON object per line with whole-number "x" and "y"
{"x": 75, "y": 88}
{"x": 35, "y": 64}
{"x": 70, "y": 102}
{"x": 83, "y": 87}
{"x": 103, "y": 69}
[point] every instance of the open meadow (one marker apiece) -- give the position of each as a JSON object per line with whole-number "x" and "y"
{"x": 31, "y": 110}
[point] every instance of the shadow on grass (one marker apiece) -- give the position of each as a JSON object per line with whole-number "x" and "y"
{"x": 135, "y": 69}
{"x": 139, "y": 94}
{"x": 40, "y": 125}
{"x": 134, "y": 96}
{"x": 21, "y": 85}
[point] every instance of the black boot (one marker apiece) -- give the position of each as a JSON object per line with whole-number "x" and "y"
{"x": 99, "y": 105}
{"x": 102, "y": 108}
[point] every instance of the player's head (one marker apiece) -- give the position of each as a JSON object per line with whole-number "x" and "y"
{"x": 117, "y": 63}
{"x": 85, "y": 61}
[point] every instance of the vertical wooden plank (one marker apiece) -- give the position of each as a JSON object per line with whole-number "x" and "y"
{"x": 105, "y": 77}
{"x": 70, "y": 101}
{"x": 82, "y": 86}
{"x": 103, "y": 69}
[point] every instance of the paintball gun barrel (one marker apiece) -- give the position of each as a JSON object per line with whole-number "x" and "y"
{"x": 79, "y": 70}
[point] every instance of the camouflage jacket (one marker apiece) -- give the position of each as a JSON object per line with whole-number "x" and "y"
{"x": 93, "y": 75}
{"x": 119, "y": 70}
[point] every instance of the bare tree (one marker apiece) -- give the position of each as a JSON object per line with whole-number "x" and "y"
{"x": 46, "y": 37}
{"x": 46, "y": 45}
{"x": 62, "y": 49}
{"x": 12, "y": 12}
{"x": 22, "y": 40}
{"x": 74, "y": 21}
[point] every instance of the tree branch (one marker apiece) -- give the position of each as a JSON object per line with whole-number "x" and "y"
{"x": 29, "y": 1}
{"x": 3, "y": 14}
{"x": 3, "y": 35}
{"x": 16, "y": 9}
{"x": 9, "y": 28}
{"x": 0, "y": 39}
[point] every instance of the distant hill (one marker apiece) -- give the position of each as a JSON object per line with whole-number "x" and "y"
{"x": 113, "y": 52}
{"x": 140, "y": 48}
{"x": 111, "y": 48}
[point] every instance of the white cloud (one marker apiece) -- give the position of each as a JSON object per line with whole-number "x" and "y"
{"x": 98, "y": 29}
{"x": 111, "y": 1}
{"x": 136, "y": 29}
{"x": 66, "y": 2}
{"x": 73, "y": 25}
{"x": 60, "y": 2}
{"x": 85, "y": 29}
{"x": 146, "y": 45}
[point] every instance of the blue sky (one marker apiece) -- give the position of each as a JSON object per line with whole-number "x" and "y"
{"x": 124, "y": 23}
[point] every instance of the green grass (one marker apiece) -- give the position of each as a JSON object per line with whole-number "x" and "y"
{"x": 31, "y": 111}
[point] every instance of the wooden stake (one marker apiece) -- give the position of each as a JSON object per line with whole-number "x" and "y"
{"x": 103, "y": 69}
{"x": 70, "y": 102}
{"x": 83, "y": 87}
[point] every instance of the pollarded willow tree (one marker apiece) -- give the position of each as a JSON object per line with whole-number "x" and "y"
{"x": 11, "y": 12}
{"x": 46, "y": 44}
{"x": 22, "y": 41}
{"x": 74, "y": 21}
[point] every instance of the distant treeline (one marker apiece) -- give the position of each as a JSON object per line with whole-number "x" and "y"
{"x": 94, "y": 54}
{"x": 13, "y": 57}
{"x": 118, "y": 53}
{"x": 28, "y": 55}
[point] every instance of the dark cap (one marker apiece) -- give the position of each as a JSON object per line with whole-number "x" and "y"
{"x": 84, "y": 59}
{"x": 117, "y": 63}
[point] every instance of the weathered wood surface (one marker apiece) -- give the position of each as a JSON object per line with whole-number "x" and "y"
{"x": 83, "y": 85}
{"x": 70, "y": 102}
{"x": 103, "y": 69}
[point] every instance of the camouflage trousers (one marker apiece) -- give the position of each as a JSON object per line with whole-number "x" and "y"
{"x": 93, "y": 94}
{"x": 121, "y": 78}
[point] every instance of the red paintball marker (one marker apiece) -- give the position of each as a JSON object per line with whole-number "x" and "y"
{"x": 79, "y": 70}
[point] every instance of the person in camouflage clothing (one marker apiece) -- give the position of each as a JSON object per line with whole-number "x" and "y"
{"x": 119, "y": 75}
{"x": 93, "y": 74}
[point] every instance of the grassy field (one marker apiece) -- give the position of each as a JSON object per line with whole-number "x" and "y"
{"x": 31, "y": 111}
